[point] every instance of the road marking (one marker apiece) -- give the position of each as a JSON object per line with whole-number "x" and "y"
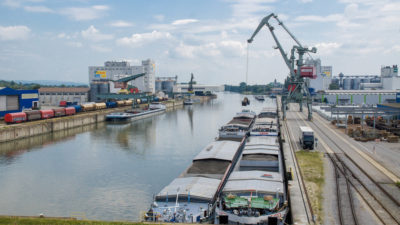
{"x": 393, "y": 177}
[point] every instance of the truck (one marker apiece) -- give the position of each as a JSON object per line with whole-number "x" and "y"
{"x": 307, "y": 138}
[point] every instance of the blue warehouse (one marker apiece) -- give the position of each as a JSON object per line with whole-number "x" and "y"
{"x": 12, "y": 100}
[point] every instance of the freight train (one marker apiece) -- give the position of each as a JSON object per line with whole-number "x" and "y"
{"x": 32, "y": 115}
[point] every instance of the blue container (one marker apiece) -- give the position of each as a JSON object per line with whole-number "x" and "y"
{"x": 111, "y": 104}
{"x": 156, "y": 99}
{"x": 78, "y": 108}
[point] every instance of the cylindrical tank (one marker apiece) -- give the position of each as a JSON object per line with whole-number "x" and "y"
{"x": 356, "y": 84}
{"x": 78, "y": 108}
{"x": 120, "y": 103}
{"x": 33, "y": 115}
{"x": 88, "y": 107}
{"x": 59, "y": 112}
{"x": 365, "y": 80}
{"x": 47, "y": 113}
{"x": 17, "y": 117}
{"x": 158, "y": 85}
{"x": 347, "y": 84}
{"x": 100, "y": 105}
{"x": 70, "y": 111}
{"x": 168, "y": 85}
{"x": 111, "y": 104}
{"x": 104, "y": 88}
{"x": 128, "y": 102}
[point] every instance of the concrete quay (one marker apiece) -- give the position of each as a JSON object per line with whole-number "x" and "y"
{"x": 33, "y": 128}
{"x": 300, "y": 209}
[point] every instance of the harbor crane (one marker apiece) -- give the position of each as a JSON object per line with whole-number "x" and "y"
{"x": 298, "y": 91}
{"x": 190, "y": 88}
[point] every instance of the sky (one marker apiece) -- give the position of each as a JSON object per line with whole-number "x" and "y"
{"x": 58, "y": 40}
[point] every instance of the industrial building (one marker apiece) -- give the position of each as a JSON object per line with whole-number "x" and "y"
{"x": 323, "y": 75}
{"x": 53, "y": 95}
{"x": 166, "y": 84}
{"x": 359, "y": 97}
{"x": 388, "y": 80}
{"x": 102, "y": 78}
{"x": 12, "y": 100}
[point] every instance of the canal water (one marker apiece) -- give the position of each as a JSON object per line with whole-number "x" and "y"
{"x": 108, "y": 171}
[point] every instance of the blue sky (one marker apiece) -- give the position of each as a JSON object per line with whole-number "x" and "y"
{"x": 58, "y": 40}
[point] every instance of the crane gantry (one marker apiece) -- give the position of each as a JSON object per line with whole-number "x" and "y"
{"x": 298, "y": 88}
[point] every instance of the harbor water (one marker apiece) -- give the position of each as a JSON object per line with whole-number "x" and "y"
{"x": 109, "y": 171}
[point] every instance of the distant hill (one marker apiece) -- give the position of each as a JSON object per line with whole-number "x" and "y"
{"x": 51, "y": 82}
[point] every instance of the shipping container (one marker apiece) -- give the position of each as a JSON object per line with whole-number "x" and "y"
{"x": 33, "y": 115}
{"x": 101, "y": 105}
{"x": 63, "y": 103}
{"x": 111, "y": 104}
{"x": 88, "y": 107}
{"x": 78, "y": 108}
{"x": 17, "y": 117}
{"x": 143, "y": 100}
{"x": 120, "y": 103}
{"x": 47, "y": 113}
{"x": 70, "y": 111}
{"x": 308, "y": 71}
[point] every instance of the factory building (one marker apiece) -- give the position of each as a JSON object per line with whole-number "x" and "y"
{"x": 101, "y": 77}
{"x": 166, "y": 84}
{"x": 388, "y": 80}
{"x": 12, "y": 100}
{"x": 53, "y": 95}
{"x": 323, "y": 75}
{"x": 359, "y": 97}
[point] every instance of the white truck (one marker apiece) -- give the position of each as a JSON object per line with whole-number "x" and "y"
{"x": 307, "y": 138}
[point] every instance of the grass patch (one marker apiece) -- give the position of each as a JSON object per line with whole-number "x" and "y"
{"x": 312, "y": 169}
{"x": 397, "y": 184}
{"x": 15, "y": 220}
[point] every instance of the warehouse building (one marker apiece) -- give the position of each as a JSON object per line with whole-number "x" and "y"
{"x": 12, "y": 100}
{"x": 53, "y": 95}
{"x": 359, "y": 97}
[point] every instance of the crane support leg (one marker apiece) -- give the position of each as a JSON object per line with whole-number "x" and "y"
{"x": 301, "y": 106}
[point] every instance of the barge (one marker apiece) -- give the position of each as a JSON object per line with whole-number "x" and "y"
{"x": 255, "y": 191}
{"x": 190, "y": 197}
{"x": 238, "y": 127}
{"x": 135, "y": 114}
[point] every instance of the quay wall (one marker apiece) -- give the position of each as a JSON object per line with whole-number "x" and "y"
{"x": 33, "y": 128}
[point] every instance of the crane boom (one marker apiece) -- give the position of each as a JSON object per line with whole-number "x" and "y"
{"x": 296, "y": 80}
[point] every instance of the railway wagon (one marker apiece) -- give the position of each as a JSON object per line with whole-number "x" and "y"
{"x": 47, "y": 113}
{"x": 59, "y": 112}
{"x": 128, "y": 102}
{"x": 111, "y": 104}
{"x": 70, "y": 111}
{"x": 88, "y": 107}
{"x": 17, "y": 117}
{"x": 101, "y": 105}
{"x": 33, "y": 115}
{"x": 78, "y": 108}
{"x": 120, "y": 103}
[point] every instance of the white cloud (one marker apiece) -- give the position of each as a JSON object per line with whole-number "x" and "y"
{"x": 39, "y": 9}
{"x": 94, "y": 34}
{"x": 121, "y": 23}
{"x": 14, "y": 33}
{"x": 226, "y": 48}
{"x": 85, "y": 13}
{"x": 306, "y": 1}
{"x": 184, "y": 22}
{"x": 326, "y": 48}
{"x": 314, "y": 18}
{"x": 159, "y": 17}
{"x": 250, "y": 8}
{"x": 137, "y": 40}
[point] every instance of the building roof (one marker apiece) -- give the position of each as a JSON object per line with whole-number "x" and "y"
{"x": 62, "y": 89}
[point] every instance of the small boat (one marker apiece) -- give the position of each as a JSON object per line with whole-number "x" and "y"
{"x": 272, "y": 95}
{"x": 259, "y": 97}
{"x": 156, "y": 105}
{"x": 245, "y": 101}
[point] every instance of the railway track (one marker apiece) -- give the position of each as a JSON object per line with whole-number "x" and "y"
{"x": 383, "y": 204}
